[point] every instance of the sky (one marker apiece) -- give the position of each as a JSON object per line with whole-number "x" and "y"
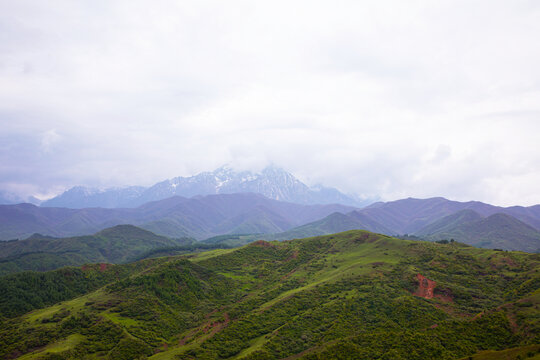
{"x": 387, "y": 99}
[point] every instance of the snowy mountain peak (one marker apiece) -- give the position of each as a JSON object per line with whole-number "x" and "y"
{"x": 272, "y": 182}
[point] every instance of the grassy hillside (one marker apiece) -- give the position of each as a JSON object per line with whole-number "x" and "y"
{"x": 349, "y": 295}
{"x": 30, "y": 290}
{"x": 118, "y": 244}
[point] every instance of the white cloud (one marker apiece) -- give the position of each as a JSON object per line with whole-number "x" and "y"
{"x": 48, "y": 139}
{"x": 384, "y": 98}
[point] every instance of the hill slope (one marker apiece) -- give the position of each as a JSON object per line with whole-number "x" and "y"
{"x": 333, "y": 223}
{"x": 408, "y": 216}
{"x": 496, "y": 231}
{"x": 349, "y": 295}
{"x": 448, "y": 223}
{"x": 113, "y": 245}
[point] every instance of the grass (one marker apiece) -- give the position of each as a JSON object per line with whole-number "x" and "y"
{"x": 509, "y": 354}
{"x": 254, "y": 345}
{"x": 209, "y": 254}
{"x": 117, "y": 319}
{"x": 349, "y": 264}
{"x": 73, "y": 306}
{"x": 60, "y": 346}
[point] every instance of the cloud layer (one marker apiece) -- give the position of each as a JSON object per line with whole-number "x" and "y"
{"x": 386, "y": 98}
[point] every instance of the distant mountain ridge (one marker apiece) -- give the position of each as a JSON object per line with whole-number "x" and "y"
{"x": 495, "y": 231}
{"x": 272, "y": 182}
{"x": 333, "y": 223}
{"x": 199, "y": 217}
{"x": 407, "y": 216}
{"x": 474, "y": 223}
{"x": 202, "y": 217}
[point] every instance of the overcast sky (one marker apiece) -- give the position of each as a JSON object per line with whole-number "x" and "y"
{"x": 380, "y": 98}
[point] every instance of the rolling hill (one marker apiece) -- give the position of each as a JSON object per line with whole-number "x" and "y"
{"x": 407, "y": 216}
{"x": 499, "y": 230}
{"x": 203, "y": 217}
{"x": 333, "y": 223}
{"x": 354, "y": 295}
{"x": 118, "y": 244}
{"x": 448, "y": 223}
{"x": 495, "y": 231}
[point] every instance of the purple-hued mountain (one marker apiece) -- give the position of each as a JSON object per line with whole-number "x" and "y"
{"x": 199, "y": 217}
{"x": 407, "y": 216}
{"x": 474, "y": 223}
{"x": 499, "y": 230}
{"x": 249, "y": 213}
{"x": 272, "y": 182}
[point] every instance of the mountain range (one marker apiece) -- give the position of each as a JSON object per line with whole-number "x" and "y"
{"x": 272, "y": 182}
{"x": 431, "y": 219}
{"x": 199, "y": 217}
{"x": 495, "y": 231}
{"x": 474, "y": 223}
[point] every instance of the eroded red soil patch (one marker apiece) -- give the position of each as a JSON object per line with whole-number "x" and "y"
{"x": 425, "y": 287}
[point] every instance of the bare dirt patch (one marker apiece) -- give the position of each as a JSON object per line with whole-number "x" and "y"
{"x": 425, "y": 288}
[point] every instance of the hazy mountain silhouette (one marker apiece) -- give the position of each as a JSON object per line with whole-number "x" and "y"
{"x": 199, "y": 217}
{"x": 272, "y": 182}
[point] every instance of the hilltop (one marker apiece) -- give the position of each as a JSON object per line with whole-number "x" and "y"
{"x": 117, "y": 244}
{"x": 353, "y": 293}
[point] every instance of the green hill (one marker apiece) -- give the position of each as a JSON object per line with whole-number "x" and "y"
{"x": 118, "y": 244}
{"x": 496, "y": 231}
{"x": 353, "y": 295}
{"x": 448, "y": 223}
{"x": 333, "y": 223}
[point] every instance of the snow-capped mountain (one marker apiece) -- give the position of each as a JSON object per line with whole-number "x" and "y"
{"x": 272, "y": 182}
